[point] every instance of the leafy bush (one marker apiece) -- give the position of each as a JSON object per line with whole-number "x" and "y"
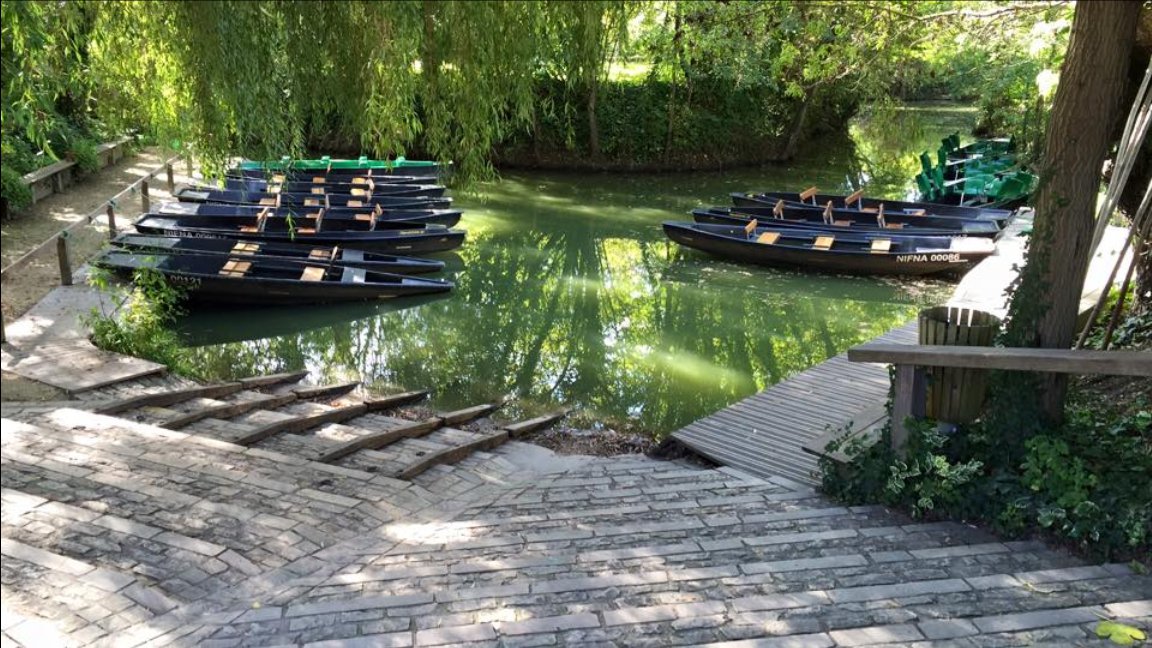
{"x": 13, "y": 189}
{"x": 141, "y": 326}
{"x": 1085, "y": 483}
{"x": 83, "y": 152}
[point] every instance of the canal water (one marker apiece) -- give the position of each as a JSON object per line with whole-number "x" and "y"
{"x": 568, "y": 293}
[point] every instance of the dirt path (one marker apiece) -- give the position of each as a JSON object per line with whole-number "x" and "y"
{"x": 43, "y": 220}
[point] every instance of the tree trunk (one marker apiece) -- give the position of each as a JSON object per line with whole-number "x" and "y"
{"x": 798, "y": 127}
{"x": 1044, "y": 310}
{"x": 593, "y": 124}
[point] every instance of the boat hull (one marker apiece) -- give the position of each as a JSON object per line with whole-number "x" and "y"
{"x": 914, "y": 260}
{"x": 200, "y": 276}
{"x": 287, "y": 252}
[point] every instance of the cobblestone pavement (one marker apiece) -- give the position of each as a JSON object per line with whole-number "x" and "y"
{"x": 121, "y": 533}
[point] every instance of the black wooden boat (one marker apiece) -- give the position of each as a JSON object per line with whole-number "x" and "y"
{"x": 365, "y": 192}
{"x": 228, "y": 197}
{"x": 288, "y": 252}
{"x": 826, "y": 252}
{"x": 320, "y": 179}
{"x": 352, "y": 233}
{"x": 859, "y": 202}
{"x": 256, "y": 280}
{"x": 849, "y": 219}
{"x": 338, "y": 186}
{"x": 385, "y": 218}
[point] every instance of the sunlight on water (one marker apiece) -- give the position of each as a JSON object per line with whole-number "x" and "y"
{"x": 567, "y": 292}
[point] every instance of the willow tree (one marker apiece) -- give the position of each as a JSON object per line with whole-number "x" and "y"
{"x": 258, "y": 78}
{"x": 583, "y": 38}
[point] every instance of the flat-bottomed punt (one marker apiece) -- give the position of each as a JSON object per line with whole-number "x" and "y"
{"x": 228, "y": 197}
{"x": 417, "y": 239}
{"x": 287, "y": 252}
{"x": 839, "y": 253}
{"x": 255, "y": 280}
{"x": 383, "y": 218}
{"x": 859, "y": 202}
{"x": 843, "y": 220}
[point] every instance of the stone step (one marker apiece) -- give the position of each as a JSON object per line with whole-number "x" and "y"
{"x": 412, "y": 430}
{"x": 797, "y": 560}
{"x": 271, "y": 482}
{"x": 258, "y": 541}
{"x": 592, "y": 611}
{"x": 170, "y": 397}
{"x": 53, "y": 600}
{"x": 125, "y": 551}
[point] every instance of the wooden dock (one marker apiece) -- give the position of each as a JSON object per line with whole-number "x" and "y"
{"x": 764, "y": 434}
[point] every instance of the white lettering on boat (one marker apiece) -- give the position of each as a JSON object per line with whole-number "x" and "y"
{"x": 948, "y": 257}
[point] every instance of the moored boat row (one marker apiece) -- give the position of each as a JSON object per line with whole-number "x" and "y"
{"x": 301, "y": 231}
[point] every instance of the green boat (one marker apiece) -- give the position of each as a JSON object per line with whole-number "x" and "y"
{"x": 327, "y": 163}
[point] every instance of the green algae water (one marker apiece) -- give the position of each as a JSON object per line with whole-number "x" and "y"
{"x": 568, "y": 293}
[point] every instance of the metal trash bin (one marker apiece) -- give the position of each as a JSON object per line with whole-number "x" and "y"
{"x": 956, "y": 395}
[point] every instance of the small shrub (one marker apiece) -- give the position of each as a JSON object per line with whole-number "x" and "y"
{"x": 141, "y": 326}
{"x": 13, "y": 189}
{"x": 83, "y": 152}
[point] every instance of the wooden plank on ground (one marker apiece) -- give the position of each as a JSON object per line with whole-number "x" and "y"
{"x": 256, "y": 382}
{"x": 455, "y": 454}
{"x": 387, "y": 437}
{"x": 517, "y": 430}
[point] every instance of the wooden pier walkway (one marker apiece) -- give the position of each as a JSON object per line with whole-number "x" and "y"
{"x": 764, "y": 434}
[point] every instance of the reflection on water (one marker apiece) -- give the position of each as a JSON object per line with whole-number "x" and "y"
{"x": 567, "y": 292}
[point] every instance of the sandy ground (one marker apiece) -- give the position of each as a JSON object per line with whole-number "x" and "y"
{"x": 41, "y": 222}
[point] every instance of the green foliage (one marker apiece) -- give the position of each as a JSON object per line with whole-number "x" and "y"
{"x": 141, "y": 327}
{"x": 1086, "y": 482}
{"x": 13, "y": 189}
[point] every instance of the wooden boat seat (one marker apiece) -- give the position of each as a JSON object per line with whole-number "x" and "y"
{"x": 750, "y": 228}
{"x": 261, "y": 220}
{"x": 318, "y": 180}
{"x": 355, "y": 203}
{"x": 318, "y": 254}
{"x": 894, "y": 225}
{"x": 245, "y": 248}
{"x": 870, "y": 210}
{"x": 808, "y": 193}
{"x": 768, "y": 238}
{"x": 317, "y": 191}
{"x": 311, "y": 202}
{"x": 235, "y": 268}
{"x": 915, "y": 212}
{"x": 842, "y": 223}
{"x": 823, "y": 242}
{"x": 359, "y": 180}
{"x": 854, "y": 197}
{"x": 313, "y": 273}
{"x": 305, "y": 230}
{"x": 881, "y": 246}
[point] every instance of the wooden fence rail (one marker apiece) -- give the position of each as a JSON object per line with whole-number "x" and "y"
{"x": 911, "y": 360}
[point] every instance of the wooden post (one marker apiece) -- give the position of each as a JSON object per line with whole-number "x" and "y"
{"x": 62, "y": 257}
{"x": 171, "y": 178}
{"x": 907, "y": 402}
{"x": 145, "y": 202}
{"x": 111, "y": 212}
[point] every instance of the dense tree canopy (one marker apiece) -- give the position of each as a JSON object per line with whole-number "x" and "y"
{"x": 453, "y": 79}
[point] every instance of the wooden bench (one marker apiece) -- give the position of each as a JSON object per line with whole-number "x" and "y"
{"x": 910, "y": 361}
{"x": 54, "y": 178}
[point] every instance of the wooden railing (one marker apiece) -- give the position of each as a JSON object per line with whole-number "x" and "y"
{"x": 108, "y": 210}
{"x": 911, "y": 360}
